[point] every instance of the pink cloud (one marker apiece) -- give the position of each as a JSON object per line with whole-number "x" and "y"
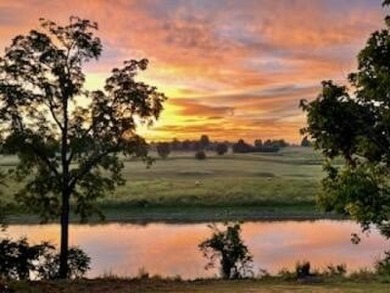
{"x": 228, "y": 50}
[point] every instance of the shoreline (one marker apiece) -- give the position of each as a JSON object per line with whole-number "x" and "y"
{"x": 156, "y": 284}
{"x": 190, "y": 214}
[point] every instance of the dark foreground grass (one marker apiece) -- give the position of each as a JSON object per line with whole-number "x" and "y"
{"x": 216, "y": 286}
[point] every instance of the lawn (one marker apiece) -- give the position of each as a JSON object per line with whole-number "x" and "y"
{"x": 250, "y": 186}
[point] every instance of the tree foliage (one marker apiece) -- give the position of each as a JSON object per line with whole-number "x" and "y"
{"x": 227, "y": 247}
{"x": 2, "y": 205}
{"x": 78, "y": 264}
{"x": 242, "y": 147}
{"x": 382, "y": 266}
{"x": 204, "y": 142}
{"x": 221, "y": 148}
{"x": 354, "y": 123}
{"x": 20, "y": 260}
{"x": 69, "y": 140}
{"x": 305, "y": 142}
{"x": 163, "y": 149}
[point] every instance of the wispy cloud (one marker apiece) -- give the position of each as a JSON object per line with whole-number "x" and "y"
{"x": 232, "y": 68}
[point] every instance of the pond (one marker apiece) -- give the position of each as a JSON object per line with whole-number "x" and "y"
{"x": 171, "y": 249}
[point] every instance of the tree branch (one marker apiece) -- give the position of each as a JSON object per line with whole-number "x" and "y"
{"x": 51, "y": 109}
{"x": 89, "y": 165}
{"x": 45, "y": 159}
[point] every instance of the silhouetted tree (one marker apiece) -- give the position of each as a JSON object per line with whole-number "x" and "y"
{"x": 227, "y": 247}
{"x": 258, "y": 143}
{"x": 221, "y": 148}
{"x": 204, "y": 142}
{"x": 277, "y": 143}
{"x": 186, "y": 145}
{"x": 68, "y": 150}
{"x": 175, "y": 144}
{"x": 354, "y": 124}
{"x": 241, "y": 147}
{"x": 195, "y": 145}
{"x": 163, "y": 149}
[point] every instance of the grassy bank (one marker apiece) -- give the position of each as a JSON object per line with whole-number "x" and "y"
{"x": 241, "y": 186}
{"x": 254, "y": 286}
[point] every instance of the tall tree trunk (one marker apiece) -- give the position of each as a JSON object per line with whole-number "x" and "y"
{"x": 63, "y": 271}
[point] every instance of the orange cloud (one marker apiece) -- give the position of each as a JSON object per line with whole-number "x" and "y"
{"x": 215, "y": 56}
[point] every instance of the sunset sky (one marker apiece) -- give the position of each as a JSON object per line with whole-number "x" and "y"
{"x": 231, "y": 69}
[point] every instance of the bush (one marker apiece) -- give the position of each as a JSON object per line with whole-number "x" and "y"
{"x": 302, "y": 270}
{"x": 363, "y": 274}
{"x": 200, "y": 155}
{"x": 286, "y": 275}
{"x": 221, "y": 148}
{"x": 20, "y": 261}
{"x": 78, "y": 264}
{"x": 163, "y": 149}
{"x": 335, "y": 270}
{"x": 228, "y": 248}
{"x": 382, "y": 267}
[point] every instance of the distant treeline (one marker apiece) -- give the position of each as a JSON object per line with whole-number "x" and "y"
{"x": 205, "y": 144}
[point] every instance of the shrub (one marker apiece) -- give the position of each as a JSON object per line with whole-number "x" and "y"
{"x": 221, "y": 148}
{"x": 20, "y": 261}
{"x": 363, "y": 274}
{"x": 227, "y": 247}
{"x": 163, "y": 149}
{"x": 200, "y": 155}
{"x": 382, "y": 267}
{"x": 302, "y": 269}
{"x": 78, "y": 264}
{"x": 335, "y": 270}
{"x": 286, "y": 275}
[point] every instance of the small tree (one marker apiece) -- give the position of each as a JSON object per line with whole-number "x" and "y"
{"x": 227, "y": 247}
{"x": 69, "y": 139}
{"x": 204, "y": 142}
{"x": 163, "y": 149}
{"x": 221, "y": 148}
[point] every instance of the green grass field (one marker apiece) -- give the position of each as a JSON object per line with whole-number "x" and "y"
{"x": 242, "y": 185}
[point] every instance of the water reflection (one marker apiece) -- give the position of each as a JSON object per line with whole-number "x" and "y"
{"x": 171, "y": 249}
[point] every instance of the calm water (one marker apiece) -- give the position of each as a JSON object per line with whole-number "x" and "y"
{"x": 171, "y": 249}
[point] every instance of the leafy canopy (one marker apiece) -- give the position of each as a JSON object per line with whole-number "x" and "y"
{"x": 69, "y": 140}
{"x": 354, "y": 123}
